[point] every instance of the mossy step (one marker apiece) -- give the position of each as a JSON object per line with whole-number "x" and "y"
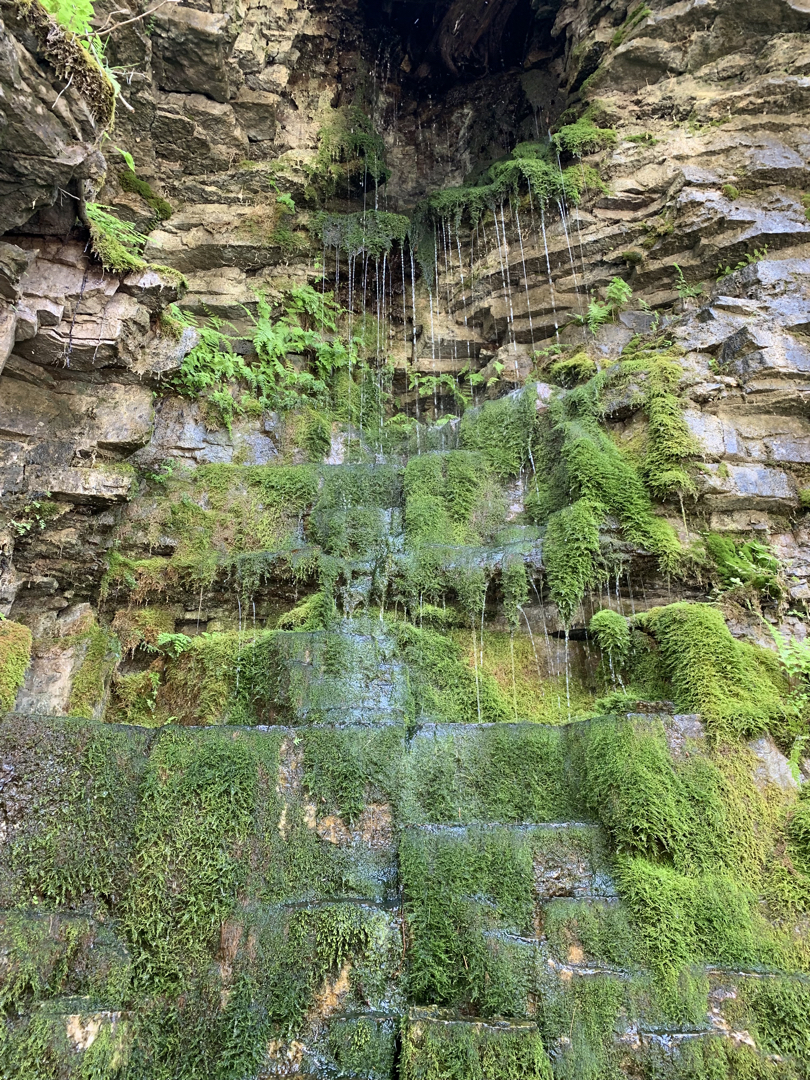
{"x": 49, "y": 954}
{"x": 436, "y": 1044}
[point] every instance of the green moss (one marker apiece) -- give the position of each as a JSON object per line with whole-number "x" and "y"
{"x": 116, "y": 244}
{"x": 134, "y": 698}
{"x": 439, "y": 1048}
{"x": 198, "y": 807}
{"x": 130, "y": 182}
{"x": 15, "y": 654}
{"x": 508, "y": 773}
{"x": 612, "y": 634}
{"x": 345, "y": 769}
{"x": 710, "y": 917}
{"x": 364, "y": 1047}
{"x": 201, "y": 681}
{"x": 585, "y": 1015}
{"x": 780, "y": 1008}
{"x": 350, "y": 152}
{"x": 504, "y": 431}
{"x": 582, "y": 137}
{"x": 734, "y": 685}
{"x": 746, "y": 564}
{"x": 89, "y": 685}
{"x": 730, "y": 192}
{"x": 571, "y": 551}
{"x": 50, "y": 956}
{"x": 578, "y": 458}
{"x": 572, "y": 370}
{"x": 75, "y": 844}
{"x": 468, "y": 890}
{"x": 449, "y": 498}
{"x": 600, "y": 930}
{"x": 627, "y": 777}
{"x": 441, "y": 684}
{"x": 634, "y": 17}
{"x": 138, "y": 627}
{"x": 372, "y": 232}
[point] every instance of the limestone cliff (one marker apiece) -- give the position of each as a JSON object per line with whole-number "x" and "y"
{"x": 405, "y": 548}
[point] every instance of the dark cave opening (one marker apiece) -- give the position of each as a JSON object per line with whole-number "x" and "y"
{"x": 443, "y": 43}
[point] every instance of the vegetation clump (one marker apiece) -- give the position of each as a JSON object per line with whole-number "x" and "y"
{"x": 57, "y": 27}
{"x": 531, "y": 169}
{"x": 582, "y": 137}
{"x": 351, "y": 153}
{"x": 749, "y": 563}
{"x": 438, "y": 1048}
{"x": 15, "y": 654}
{"x": 736, "y": 686}
{"x": 579, "y": 459}
{"x": 90, "y": 682}
{"x": 633, "y": 19}
{"x": 372, "y": 232}
{"x": 160, "y": 207}
{"x": 233, "y": 385}
{"x": 117, "y": 244}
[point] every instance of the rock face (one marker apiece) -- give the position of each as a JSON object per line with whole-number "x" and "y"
{"x": 419, "y": 671}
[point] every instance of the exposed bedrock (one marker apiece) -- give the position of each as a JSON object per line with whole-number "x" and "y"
{"x": 405, "y": 540}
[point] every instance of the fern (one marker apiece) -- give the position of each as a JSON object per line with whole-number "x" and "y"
{"x": 74, "y": 15}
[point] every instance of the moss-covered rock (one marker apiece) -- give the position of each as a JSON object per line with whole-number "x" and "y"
{"x": 15, "y": 655}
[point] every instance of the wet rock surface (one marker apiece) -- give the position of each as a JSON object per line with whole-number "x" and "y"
{"x": 237, "y": 830}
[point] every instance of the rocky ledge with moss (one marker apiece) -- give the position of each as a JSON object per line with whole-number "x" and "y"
{"x": 404, "y": 551}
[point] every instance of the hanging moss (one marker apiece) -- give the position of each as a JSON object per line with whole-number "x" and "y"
{"x": 737, "y": 687}
{"x": 72, "y": 62}
{"x": 372, "y": 232}
{"x": 580, "y": 458}
{"x": 142, "y": 626}
{"x": 15, "y": 654}
{"x": 515, "y": 585}
{"x": 711, "y": 917}
{"x": 134, "y": 698}
{"x": 612, "y": 634}
{"x": 504, "y": 431}
{"x": 116, "y": 244}
{"x": 570, "y": 552}
{"x": 450, "y": 499}
{"x": 441, "y": 684}
{"x": 350, "y": 152}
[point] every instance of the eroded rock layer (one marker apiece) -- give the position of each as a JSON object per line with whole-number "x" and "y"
{"x": 404, "y": 551}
